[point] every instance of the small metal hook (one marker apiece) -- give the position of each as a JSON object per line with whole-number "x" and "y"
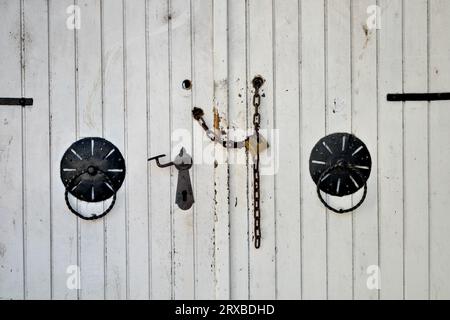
{"x": 156, "y": 158}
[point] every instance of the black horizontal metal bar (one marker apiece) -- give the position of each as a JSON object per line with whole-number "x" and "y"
{"x": 418, "y": 96}
{"x": 16, "y": 101}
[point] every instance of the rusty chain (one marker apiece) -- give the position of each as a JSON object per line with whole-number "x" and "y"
{"x": 257, "y": 83}
{"x": 198, "y": 113}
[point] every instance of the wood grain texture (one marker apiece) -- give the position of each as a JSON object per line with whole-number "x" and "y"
{"x": 37, "y": 152}
{"x": 136, "y": 142}
{"x": 365, "y": 127}
{"x": 203, "y": 97}
{"x": 390, "y": 151}
{"x": 416, "y": 151}
{"x": 113, "y": 130}
{"x": 339, "y": 119}
{"x": 221, "y": 155}
{"x": 439, "y": 151}
{"x": 287, "y": 150}
{"x": 161, "y": 198}
{"x": 63, "y": 121}
{"x": 238, "y": 121}
{"x": 90, "y": 124}
{"x": 181, "y": 136}
{"x": 12, "y": 277}
{"x": 312, "y": 128}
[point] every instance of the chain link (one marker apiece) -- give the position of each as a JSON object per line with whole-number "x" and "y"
{"x": 198, "y": 113}
{"x": 257, "y": 83}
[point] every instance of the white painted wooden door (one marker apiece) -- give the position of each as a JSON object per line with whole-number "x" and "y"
{"x": 114, "y": 69}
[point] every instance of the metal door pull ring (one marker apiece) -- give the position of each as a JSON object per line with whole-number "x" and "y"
{"x": 95, "y": 216}
{"x": 330, "y": 170}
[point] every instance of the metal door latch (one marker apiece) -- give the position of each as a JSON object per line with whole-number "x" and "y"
{"x": 183, "y": 162}
{"x": 92, "y": 170}
{"x": 340, "y": 165}
{"x": 16, "y": 101}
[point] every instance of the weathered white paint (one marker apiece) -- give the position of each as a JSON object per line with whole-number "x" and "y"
{"x": 415, "y": 148}
{"x": 203, "y": 95}
{"x": 159, "y": 142}
{"x": 238, "y": 182}
{"x": 180, "y": 37}
{"x": 120, "y": 76}
{"x": 114, "y": 127}
{"x": 439, "y": 150}
{"x": 312, "y": 125}
{"x": 390, "y": 150}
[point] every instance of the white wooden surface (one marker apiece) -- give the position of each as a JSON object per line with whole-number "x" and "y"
{"x": 119, "y": 76}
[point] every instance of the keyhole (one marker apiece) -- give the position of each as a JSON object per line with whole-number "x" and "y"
{"x": 184, "y": 195}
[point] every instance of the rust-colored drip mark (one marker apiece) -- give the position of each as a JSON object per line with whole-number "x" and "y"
{"x": 216, "y": 119}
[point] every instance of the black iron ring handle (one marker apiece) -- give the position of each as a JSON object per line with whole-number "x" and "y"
{"x": 93, "y": 217}
{"x": 327, "y": 171}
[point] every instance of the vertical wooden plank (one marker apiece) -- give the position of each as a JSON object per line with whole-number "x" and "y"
{"x": 260, "y": 55}
{"x": 37, "y": 153}
{"x": 136, "y": 149}
{"x": 364, "y": 119}
{"x": 416, "y": 150}
{"x": 181, "y": 130}
{"x": 338, "y": 119}
{"x": 439, "y": 144}
{"x": 161, "y": 198}
{"x": 11, "y": 201}
{"x": 312, "y": 128}
{"x": 238, "y": 180}
{"x": 63, "y": 134}
{"x": 113, "y": 129}
{"x": 390, "y": 154}
{"x": 287, "y": 119}
{"x": 203, "y": 171}
{"x": 90, "y": 116}
{"x": 221, "y": 190}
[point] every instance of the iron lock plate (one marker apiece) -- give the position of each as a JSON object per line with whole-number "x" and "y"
{"x": 183, "y": 162}
{"x": 92, "y": 169}
{"x": 340, "y": 151}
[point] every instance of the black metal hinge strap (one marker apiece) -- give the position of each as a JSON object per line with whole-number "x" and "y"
{"x": 418, "y": 96}
{"x": 16, "y": 101}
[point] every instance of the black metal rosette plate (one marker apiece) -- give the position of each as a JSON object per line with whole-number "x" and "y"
{"x": 92, "y": 170}
{"x": 340, "y": 164}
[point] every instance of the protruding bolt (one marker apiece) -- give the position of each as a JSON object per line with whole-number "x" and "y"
{"x": 257, "y": 82}
{"x": 92, "y": 171}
